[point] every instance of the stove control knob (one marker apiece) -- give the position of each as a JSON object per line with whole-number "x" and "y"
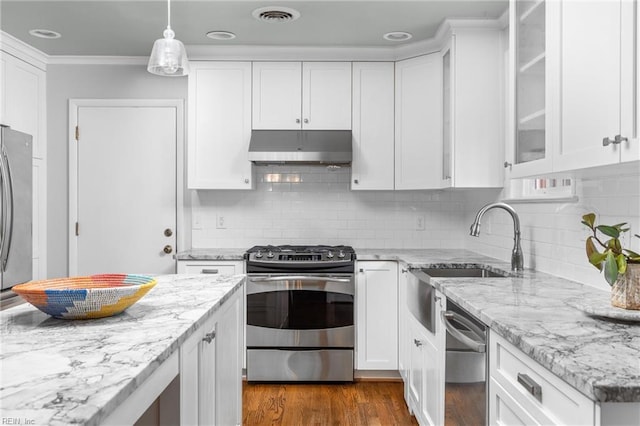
{"x": 330, "y": 255}
{"x": 270, "y": 254}
{"x": 341, "y": 254}
{"x": 259, "y": 255}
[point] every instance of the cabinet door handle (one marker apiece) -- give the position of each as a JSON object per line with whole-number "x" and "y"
{"x": 417, "y": 342}
{"x": 619, "y": 139}
{"x": 306, "y": 120}
{"x": 356, "y": 181}
{"x": 297, "y": 120}
{"x": 530, "y": 385}
{"x": 210, "y": 271}
{"x": 209, "y": 337}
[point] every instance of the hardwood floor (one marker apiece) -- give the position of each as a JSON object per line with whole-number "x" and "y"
{"x": 359, "y": 403}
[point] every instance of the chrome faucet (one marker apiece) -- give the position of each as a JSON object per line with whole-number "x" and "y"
{"x": 517, "y": 261}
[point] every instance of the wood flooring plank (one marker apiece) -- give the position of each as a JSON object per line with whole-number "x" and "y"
{"x": 359, "y": 403}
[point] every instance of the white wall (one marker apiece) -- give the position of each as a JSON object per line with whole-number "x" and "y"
{"x": 310, "y": 205}
{"x": 553, "y": 239}
{"x": 86, "y": 82}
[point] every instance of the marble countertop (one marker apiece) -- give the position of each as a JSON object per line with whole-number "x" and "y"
{"x": 60, "y": 372}
{"x": 211, "y": 254}
{"x": 535, "y": 312}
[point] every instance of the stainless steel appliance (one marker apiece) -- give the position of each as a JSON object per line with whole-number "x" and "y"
{"x": 466, "y": 364}
{"x": 300, "y": 313}
{"x": 16, "y": 212}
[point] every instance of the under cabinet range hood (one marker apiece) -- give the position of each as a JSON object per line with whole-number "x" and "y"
{"x": 327, "y": 147}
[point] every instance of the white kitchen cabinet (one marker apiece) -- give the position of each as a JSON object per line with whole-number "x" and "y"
{"x": 23, "y": 108}
{"x": 597, "y": 56}
{"x": 214, "y": 267}
{"x": 533, "y": 83}
{"x": 515, "y": 378}
{"x": 403, "y": 328}
{"x": 427, "y": 369}
{"x": 210, "y": 371}
{"x": 472, "y": 81}
{"x": 418, "y": 131}
{"x": 372, "y": 167}
{"x": 377, "y": 315}
{"x": 302, "y": 95}
{"x": 219, "y": 125}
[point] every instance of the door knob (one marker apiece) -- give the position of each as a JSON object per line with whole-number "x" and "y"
{"x": 167, "y": 249}
{"x": 168, "y": 232}
{"x": 607, "y": 141}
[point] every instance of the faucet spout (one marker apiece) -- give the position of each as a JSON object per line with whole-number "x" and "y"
{"x": 517, "y": 259}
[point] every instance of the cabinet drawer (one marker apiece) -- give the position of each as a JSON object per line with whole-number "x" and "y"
{"x": 544, "y": 396}
{"x": 222, "y": 268}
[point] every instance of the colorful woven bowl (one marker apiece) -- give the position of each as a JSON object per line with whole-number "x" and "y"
{"x": 94, "y": 296}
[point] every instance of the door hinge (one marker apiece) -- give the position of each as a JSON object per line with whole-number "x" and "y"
{"x": 77, "y": 133}
{"x": 77, "y": 229}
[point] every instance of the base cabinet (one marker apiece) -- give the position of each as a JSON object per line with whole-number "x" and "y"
{"x": 523, "y": 392}
{"x": 212, "y": 267}
{"x": 377, "y": 315}
{"x": 426, "y": 355}
{"x": 210, "y": 370}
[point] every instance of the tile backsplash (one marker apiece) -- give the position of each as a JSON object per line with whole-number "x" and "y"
{"x": 553, "y": 239}
{"x": 315, "y": 205}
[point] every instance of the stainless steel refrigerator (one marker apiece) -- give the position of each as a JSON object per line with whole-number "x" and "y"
{"x": 16, "y": 212}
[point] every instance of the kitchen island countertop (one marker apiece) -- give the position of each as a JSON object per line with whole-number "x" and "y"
{"x": 60, "y": 372}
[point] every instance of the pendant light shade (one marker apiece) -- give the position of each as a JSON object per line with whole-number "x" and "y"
{"x": 168, "y": 57}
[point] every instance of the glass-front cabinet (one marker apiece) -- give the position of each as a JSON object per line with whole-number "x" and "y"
{"x": 529, "y": 33}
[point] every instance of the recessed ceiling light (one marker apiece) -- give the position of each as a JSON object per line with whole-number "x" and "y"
{"x": 221, "y": 35}
{"x": 397, "y": 36}
{"x": 45, "y": 33}
{"x": 275, "y": 14}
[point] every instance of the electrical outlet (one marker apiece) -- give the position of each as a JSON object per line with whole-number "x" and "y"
{"x": 197, "y": 221}
{"x": 420, "y": 222}
{"x": 220, "y": 222}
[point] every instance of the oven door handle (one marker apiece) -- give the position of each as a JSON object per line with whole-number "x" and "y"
{"x": 475, "y": 345}
{"x": 299, "y": 278}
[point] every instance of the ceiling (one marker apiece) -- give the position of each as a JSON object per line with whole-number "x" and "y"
{"x": 128, "y": 28}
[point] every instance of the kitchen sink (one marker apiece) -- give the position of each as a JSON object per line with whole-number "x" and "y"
{"x": 464, "y": 273}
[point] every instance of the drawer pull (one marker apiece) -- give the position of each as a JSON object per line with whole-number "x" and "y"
{"x": 530, "y": 385}
{"x": 210, "y": 271}
{"x": 209, "y": 337}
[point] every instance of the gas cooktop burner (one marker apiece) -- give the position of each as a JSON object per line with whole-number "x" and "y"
{"x": 298, "y": 257}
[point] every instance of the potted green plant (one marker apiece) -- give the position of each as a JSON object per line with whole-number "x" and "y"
{"x": 621, "y": 266}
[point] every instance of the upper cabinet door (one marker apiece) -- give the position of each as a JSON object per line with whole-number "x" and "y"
{"x": 418, "y": 151}
{"x": 373, "y": 127}
{"x": 219, "y": 126}
{"x": 326, "y": 95}
{"x": 596, "y": 56}
{"x": 531, "y": 43}
{"x": 277, "y": 95}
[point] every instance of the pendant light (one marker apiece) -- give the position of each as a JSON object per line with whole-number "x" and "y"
{"x": 168, "y": 57}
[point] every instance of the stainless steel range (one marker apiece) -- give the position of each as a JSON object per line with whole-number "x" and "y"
{"x": 300, "y": 313}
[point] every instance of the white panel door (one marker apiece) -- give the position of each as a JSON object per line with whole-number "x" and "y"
{"x": 277, "y": 94}
{"x": 373, "y": 126}
{"x": 126, "y": 190}
{"x": 590, "y": 84}
{"x": 377, "y": 316}
{"x": 418, "y": 155}
{"x": 326, "y": 95}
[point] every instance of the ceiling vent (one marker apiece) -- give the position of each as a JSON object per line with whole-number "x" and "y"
{"x": 275, "y": 14}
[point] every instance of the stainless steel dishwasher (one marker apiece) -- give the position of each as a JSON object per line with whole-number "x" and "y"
{"x": 466, "y": 367}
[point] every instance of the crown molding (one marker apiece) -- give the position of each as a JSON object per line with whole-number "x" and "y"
{"x": 23, "y": 51}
